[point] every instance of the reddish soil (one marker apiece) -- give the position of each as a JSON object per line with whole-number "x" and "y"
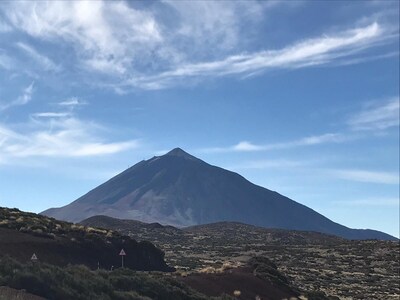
{"x": 241, "y": 279}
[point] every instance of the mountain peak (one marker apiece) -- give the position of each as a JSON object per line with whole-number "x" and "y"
{"x": 181, "y": 190}
{"x": 180, "y": 153}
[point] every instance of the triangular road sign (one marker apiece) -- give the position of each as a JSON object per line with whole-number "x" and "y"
{"x": 122, "y": 253}
{"x": 34, "y": 257}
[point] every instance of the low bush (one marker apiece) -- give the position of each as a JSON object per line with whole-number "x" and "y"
{"x": 81, "y": 283}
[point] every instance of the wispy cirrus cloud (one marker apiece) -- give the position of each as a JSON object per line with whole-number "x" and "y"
{"x": 6, "y": 62}
{"x": 120, "y": 38}
{"x": 42, "y": 60}
{"x": 129, "y": 46}
{"x": 58, "y": 136}
{"x": 312, "y": 52}
{"x": 214, "y": 25}
{"x": 24, "y": 98}
{"x": 366, "y": 176}
{"x": 377, "y": 116}
{"x": 374, "y": 116}
{"x": 105, "y": 36}
{"x": 245, "y": 146}
{"x": 51, "y": 115}
{"x": 72, "y": 102}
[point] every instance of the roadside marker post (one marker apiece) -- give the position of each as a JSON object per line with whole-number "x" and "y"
{"x": 34, "y": 258}
{"x": 122, "y": 254}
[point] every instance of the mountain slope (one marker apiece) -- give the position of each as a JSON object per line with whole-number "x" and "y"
{"x": 182, "y": 190}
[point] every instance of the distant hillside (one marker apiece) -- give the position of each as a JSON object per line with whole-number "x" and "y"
{"x": 61, "y": 243}
{"x": 120, "y": 225}
{"x": 245, "y": 233}
{"x": 154, "y": 232}
{"x": 181, "y": 190}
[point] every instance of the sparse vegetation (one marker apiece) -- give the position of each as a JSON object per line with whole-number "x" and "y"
{"x": 311, "y": 261}
{"x": 311, "y": 265}
{"x": 81, "y": 283}
{"x": 62, "y": 243}
{"x": 42, "y": 226}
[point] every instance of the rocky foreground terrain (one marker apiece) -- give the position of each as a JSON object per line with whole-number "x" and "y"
{"x": 82, "y": 262}
{"x": 62, "y": 243}
{"x": 312, "y": 261}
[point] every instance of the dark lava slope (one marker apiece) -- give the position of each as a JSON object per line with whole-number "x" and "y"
{"x": 181, "y": 190}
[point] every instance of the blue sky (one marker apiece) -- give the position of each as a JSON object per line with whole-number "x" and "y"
{"x": 299, "y": 97}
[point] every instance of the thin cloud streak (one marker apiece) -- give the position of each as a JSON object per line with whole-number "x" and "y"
{"x": 72, "y": 102}
{"x": 311, "y": 52}
{"x": 6, "y": 62}
{"x": 24, "y": 98}
{"x": 246, "y": 146}
{"x": 51, "y": 115}
{"x": 42, "y": 60}
{"x": 366, "y": 176}
{"x": 379, "y": 116}
{"x": 59, "y": 137}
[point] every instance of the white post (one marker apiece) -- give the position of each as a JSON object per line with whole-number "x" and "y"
{"x": 122, "y": 254}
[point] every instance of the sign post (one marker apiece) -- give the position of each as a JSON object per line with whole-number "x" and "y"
{"x": 34, "y": 258}
{"x": 122, "y": 254}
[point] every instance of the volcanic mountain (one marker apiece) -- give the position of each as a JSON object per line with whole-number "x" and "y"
{"x": 181, "y": 190}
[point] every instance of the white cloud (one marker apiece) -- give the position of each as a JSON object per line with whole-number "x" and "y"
{"x": 321, "y": 139}
{"x": 213, "y": 25}
{"x": 246, "y": 146}
{"x": 72, "y": 102}
{"x": 107, "y": 36}
{"x": 318, "y": 51}
{"x": 24, "y": 98}
{"x": 175, "y": 42}
{"x": 378, "y": 116}
{"x": 374, "y": 117}
{"x": 51, "y": 114}
{"x": 58, "y": 137}
{"x": 42, "y": 60}
{"x": 366, "y": 176}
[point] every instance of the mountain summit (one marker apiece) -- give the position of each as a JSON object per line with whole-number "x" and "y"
{"x": 181, "y": 190}
{"x": 180, "y": 153}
